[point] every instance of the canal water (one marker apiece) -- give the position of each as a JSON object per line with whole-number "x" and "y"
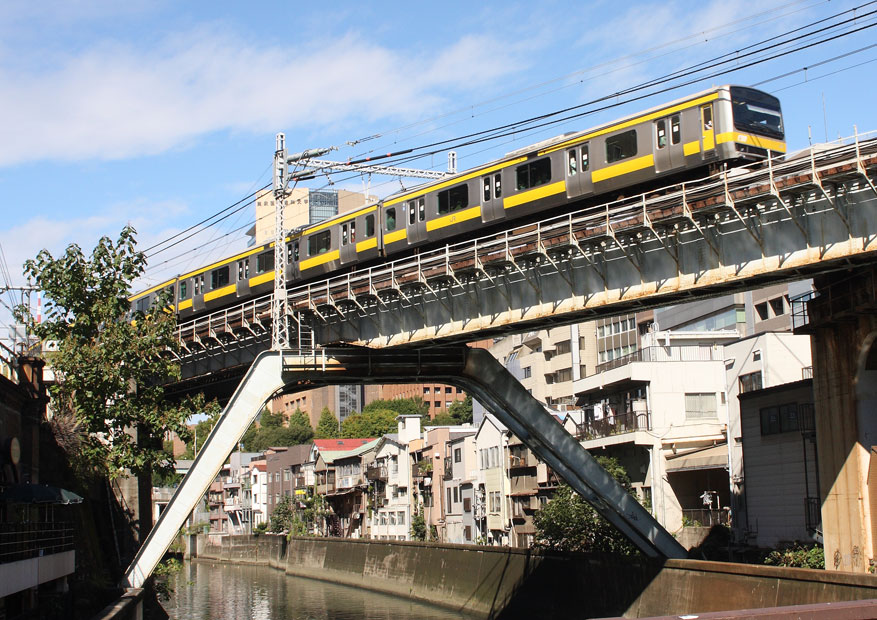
{"x": 205, "y": 590}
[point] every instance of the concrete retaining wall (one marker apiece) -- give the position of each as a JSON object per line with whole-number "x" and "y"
{"x": 482, "y": 581}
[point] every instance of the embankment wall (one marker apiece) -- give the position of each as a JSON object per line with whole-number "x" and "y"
{"x": 484, "y": 581}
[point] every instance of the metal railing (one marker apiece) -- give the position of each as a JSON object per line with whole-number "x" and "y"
{"x": 673, "y": 353}
{"x": 812, "y": 513}
{"x": 376, "y": 472}
{"x": 22, "y": 541}
{"x": 614, "y": 425}
{"x": 704, "y": 517}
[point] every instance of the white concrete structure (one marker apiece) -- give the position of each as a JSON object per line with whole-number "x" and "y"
{"x": 459, "y": 488}
{"x": 664, "y": 403}
{"x": 259, "y": 487}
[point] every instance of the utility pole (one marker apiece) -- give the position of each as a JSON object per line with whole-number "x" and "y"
{"x": 279, "y": 310}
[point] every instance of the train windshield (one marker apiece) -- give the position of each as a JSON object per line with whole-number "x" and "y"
{"x": 757, "y": 112}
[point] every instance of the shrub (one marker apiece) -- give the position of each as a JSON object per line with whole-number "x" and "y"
{"x": 797, "y": 555}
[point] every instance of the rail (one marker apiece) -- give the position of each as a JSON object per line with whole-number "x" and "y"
{"x": 674, "y": 353}
{"x": 553, "y": 240}
{"x": 22, "y": 541}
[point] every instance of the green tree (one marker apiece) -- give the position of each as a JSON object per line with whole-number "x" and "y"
{"x": 442, "y": 419}
{"x": 202, "y": 431}
{"x": 327, "y": 425}
{"x": 461, "y": 410}
{"x": 283, "y": 516}
{"x": 109, "y": 365}
{"x": 270, "y": 431}
{"x": 569, "y": 523}
{"x": 401, "y": 406}
{"x": 372, "y": 423}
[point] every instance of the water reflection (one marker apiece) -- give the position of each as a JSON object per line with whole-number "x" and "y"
{"x": 206, "y": 590}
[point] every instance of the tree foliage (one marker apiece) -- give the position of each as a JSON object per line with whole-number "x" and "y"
{"x": 283, "y": 515}
{"x": 109, "y": 369}
{"x": 272, "y": 430}
{"x": 372, "y": 423}
{"x": 400, "y": 406}
{"x": 460, "y": 412}
{"x": 327, "y": 425}
{"x": 568, "y": 523}
{"x": 202, "y": 431}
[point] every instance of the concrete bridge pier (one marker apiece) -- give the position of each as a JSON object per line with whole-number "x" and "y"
{"x": 843, "y": 328}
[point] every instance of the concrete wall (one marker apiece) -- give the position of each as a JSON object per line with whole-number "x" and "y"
{"x": 482, "y": 581}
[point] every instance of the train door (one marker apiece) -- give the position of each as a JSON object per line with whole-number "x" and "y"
{"x": 414, "y": 212}
{"x": 707, "y": 129}
{"x": 578, "y": 171}
{"x": 669, "y": 152}
{"x": 293, "y": 255}
{"x": 491, "y": 196}
{"x": 347, "y": 251}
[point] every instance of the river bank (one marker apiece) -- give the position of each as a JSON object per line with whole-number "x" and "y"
{"x": 500, "y": 582}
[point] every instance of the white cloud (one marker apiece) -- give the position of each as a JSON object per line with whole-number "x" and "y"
{"x": 113, "y": 101}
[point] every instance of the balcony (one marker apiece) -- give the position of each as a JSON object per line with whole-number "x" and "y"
{"x": 376, "y": 472}
{"x": 614, "y": 425}
{"x": 300, "y": 482}
{"x": 22, "y": 541}
{"x": 521, "y": 460}
{"x": 675, "y": 353}
{"x": 422, "y": 469}
{"x": 704, "y": 517}
{"x": 449, "y": 471}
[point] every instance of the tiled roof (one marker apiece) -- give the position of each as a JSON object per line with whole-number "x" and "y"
{"x": 339, "y": 445}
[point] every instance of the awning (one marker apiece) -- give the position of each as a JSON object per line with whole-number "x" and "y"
{"x": 38, "y": 494}
{"x": 714, "y": 457}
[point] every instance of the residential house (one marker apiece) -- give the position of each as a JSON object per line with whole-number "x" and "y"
{"x": 491, "y": 496}
{"x": 459, "y": 483}
{"x": 259, "y": 488}
{"x": 348, "y": 501}
{"x": 532, "y": 484}
{"x": 390, "y": 479}
{"x": 280, "y": 465}
{"x": 234, "y": 485}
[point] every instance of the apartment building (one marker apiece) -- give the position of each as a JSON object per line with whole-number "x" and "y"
{"x": 459, "y": 488}
{"x": 491, "y": 444}
{"x": 390, "y": 478}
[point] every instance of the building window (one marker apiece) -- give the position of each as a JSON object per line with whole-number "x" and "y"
{"x": 528, "y": 372}
{"x": 779, "y": 419}
{"x": 700, "y": 405}
{"x": 533, "y": 174}
{"x": 456, "y": 495}
{"x": 621, "y": 146}
{"x": 750, "y": 382}
{"x": 458, "y": 455}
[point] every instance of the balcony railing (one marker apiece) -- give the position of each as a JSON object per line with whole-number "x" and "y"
{"x": 704, "y": 517}
{"x": 422, "y": 469}
{"x": 376, "y": 472}
{"x": 614, "y": 425}
{"x": 22, "y": 541}
{"x": 522, "y": 460}
{"x": 674, "y": 353}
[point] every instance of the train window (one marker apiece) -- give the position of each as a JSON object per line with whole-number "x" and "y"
{"x": 353, "y": 231}
{"x": 661, "y": 130}
{"x": 572, "y": 160}
{"x": 497, "y": 185}
{"x": 344, "y": 234}
{"x": 198, "y": 285}
{"x": 319, "y": 243}
{"x": 533, "y": 174}
{"x": 369, "y": 226}
{"x": 421, "y": 209}
{"x": 295, "y": 251}
{"x": 243, "y": 269}
{"x": 184, "y": 290}
{"x": 675, "y": 130}
{"x": 218, "y": 277}
{"x": 453, "y": 199}
{"x": 410, "y": 207}
{"x": 486, "y": 181}
{"x": 707, "y": 117}
{"x": 621, "y": 146}
{"x": 288, "y": 253}
{"x": 265, "y": 262}
{"x": 586, "y": 163}
{"x": 390, "y": 219}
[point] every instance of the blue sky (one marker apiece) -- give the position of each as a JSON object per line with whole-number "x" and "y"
{"x": 161, "y": 113}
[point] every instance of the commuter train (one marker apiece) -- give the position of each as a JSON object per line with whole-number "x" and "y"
{"x": 676, "y": 141}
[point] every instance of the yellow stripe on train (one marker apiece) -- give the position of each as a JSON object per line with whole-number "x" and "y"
{"x": 616, "y": 170}
{"x": 534, "y": 194}
{"x": 320, "y": 259}
{"x": 454, "y": 218}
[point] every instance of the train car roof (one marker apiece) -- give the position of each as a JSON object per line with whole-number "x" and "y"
{"x": 546, "y": 146}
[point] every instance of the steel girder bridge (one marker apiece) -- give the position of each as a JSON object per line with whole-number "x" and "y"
{"x": 808, "y": 214}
